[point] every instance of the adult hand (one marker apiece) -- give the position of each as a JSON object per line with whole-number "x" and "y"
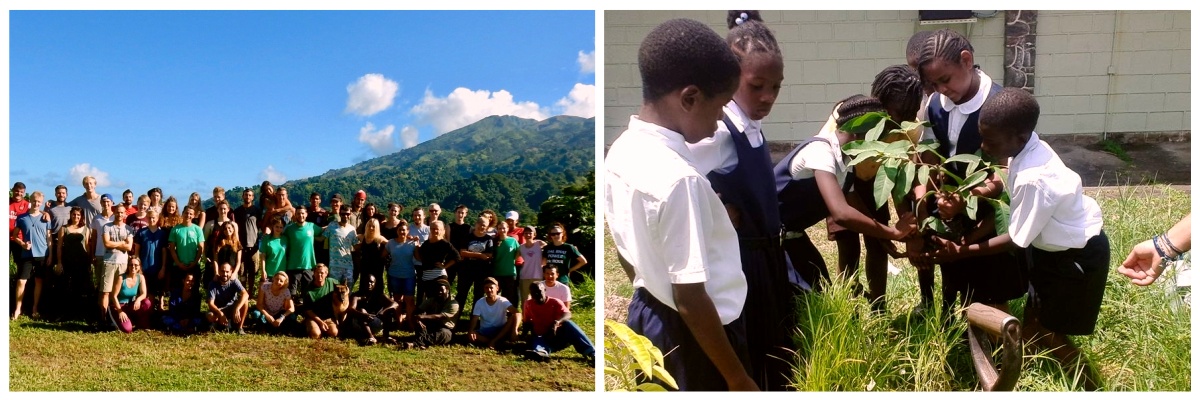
{"x": 58, "y": 269}
{"x": 472, "y": 336}
{"x": 276, "y": 322}
{"x": 137, "y": 305}
{"x": 122, "y": 317}
{"x": 1143, "y": 265}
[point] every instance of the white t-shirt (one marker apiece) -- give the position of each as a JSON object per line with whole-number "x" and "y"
{"x": 718, "y": 153}
{"x": 960, "y": 112}
{"x": 1048, "y": 208}
{"x": 558, "y": 291}
{"x": 341, "y": 241}
{"x": 115, "y": 232}
{"x": 97, "y": 226}
{"x": 667, "y": 221}
{"x": 821, "y": 156}
{"x": 491, "y": 315}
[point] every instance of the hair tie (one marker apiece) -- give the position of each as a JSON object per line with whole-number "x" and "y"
{"x": 741, "y": 19}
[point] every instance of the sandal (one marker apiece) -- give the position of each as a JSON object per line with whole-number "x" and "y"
{"x": 406, "y": 346}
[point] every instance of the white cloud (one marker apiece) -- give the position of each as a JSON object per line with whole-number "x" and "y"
{"x": 587, "y": 62}
{"x": 371, "y": 94}
{"x": 273, "y": 175}
{"x": 581, "y": 102}
{"x": 464, "y": 106}
{"x": 380, "y": 141}
{"x": 408, "y": 137}
{"x": 79, "y": 171}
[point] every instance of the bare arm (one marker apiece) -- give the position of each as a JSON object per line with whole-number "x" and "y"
{"x": 846, "y": 215}
{"x": 700, "y": 315}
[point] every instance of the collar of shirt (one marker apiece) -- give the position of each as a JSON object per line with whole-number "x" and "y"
{"x": 751, "y": 128}
{"x": 1020, "y": 161}
{"x": 972, "y": 105}
{"x": 673, "y": 140}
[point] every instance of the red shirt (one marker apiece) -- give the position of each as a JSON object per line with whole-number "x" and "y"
{"x": 542, "y": 316}
{"x": 15, "y": 210}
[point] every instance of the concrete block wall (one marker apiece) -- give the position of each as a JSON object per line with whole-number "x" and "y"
{"x": 1113, "y": 71}
{"x": 829, "y": 55}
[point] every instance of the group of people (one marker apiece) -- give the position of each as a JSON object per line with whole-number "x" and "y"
{"x": 712, "y": 233}
{"x": 288, "y": 269}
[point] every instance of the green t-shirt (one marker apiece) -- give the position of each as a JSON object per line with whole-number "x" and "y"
{"x": 274, "y": 256}
{"x": 506, "y": 258}
{"x": 315, "y": 293}
{"x": 300, "y": 246}
{"x": 187, "y": 241}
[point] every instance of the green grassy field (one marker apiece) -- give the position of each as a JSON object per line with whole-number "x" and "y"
{"x": 1142, "y": 343}
{"x": 61, "y": 357}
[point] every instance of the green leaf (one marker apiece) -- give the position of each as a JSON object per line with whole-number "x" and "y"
{"x": 860, "y": 158}
{"x": 935, "y": 224}
{"x": 973, "y": 180}
{"x": 928, "y": 145}
{"x": 610, "y": 371}
{"x": 904, "y": 181}
{"x": 862, "y": 123}
{"x": 637, "y": 348}
{"x": 923, "y": 175}
{"x": 964, "y": 158}
{"x": 874, "y": 133}
{"x": 972, "y": 206}
{"x": 884, "y": 182}
{"x": 1002, "y": 215}
{"x": 665, "y": 377}
{"x": 897, "y": 149}
{"x": 650, "y": 387}
{"x": 906, "y": 125}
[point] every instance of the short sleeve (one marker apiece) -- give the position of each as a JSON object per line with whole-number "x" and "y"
{"x": 816, "y": 156}
{"x": 1032, "y": 206}
{"x": 716, "y": 153}
{"x": 683, "y": 231}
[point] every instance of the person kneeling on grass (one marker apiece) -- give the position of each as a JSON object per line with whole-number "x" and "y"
{"x": 551, "y": 327}
{"x": 370, "y": 312}
{"x": 318, "y": 304}
{"x": 129, "y": 294}
{"x": 493, "y": 318}
{"x": 1059, "y": 229}
{"x": 274, "y": 305}
{"x": 183, "y": 309}
{"x": 228, "y": 301}
{"x": 435, "y": 317}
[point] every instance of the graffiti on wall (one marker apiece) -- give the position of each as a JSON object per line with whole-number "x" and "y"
{"x": 1020, "y": 41}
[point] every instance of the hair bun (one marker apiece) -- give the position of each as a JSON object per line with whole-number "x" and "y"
{"x": 738, "y": 17}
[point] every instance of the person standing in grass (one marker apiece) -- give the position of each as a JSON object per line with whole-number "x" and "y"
{"x": 531, "y": 252}
{"x": 137, "y": 220}
{"x": 402, "y": 273}
{"x": 342, "y": 239}
{"x": 150, "y": 245}
{"x": 247, "y": 218}
{"x": 475, "y": 263}
{"x": 1059, "y": 229}
{"x": 185, "y": 245}
{"x": 372, "y": 250}
{"x": 196, "y": 203}
{"x": 90, "y": 201}
{"x": 437, "y": 256}
{"x": 299, "y": 236}
{"x": 211, "y": 213}
{"x": 559, "y": 253}
{"x": 388, "y": 226}
{"x": 31, "y": 234}
{"x": 504, "y": 262}
{"x": 459, "y": 233}
{"x": 132, "y": 302}
{"x": 671, "y": 231}
{"x": 741, "y": 174}
{"x": 117, "y": 241}
{"x": 73, "y": 259}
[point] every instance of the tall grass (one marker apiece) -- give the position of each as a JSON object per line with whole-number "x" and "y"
{"x": 1142, "y": 340}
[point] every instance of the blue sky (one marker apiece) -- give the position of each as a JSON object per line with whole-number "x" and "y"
{"x": 187, "y": 100}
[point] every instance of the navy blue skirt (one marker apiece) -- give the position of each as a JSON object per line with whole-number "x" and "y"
{"x": 684, "y": 359}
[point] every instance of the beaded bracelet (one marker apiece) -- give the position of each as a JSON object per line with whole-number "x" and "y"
{"x": 1158, "y": 247}
{"x": 1178, "y": 253}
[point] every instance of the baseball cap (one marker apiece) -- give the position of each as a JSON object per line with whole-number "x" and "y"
{"x": 512, "y": 215}
{"x": 361, "y": 194}
{"x": 106, "y": 196}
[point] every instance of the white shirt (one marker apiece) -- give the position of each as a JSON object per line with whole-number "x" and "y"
{"x": 960, "y": 112}
{"x": 719, "y": 153}
{"x": 558, "y": 291}
{"x": 1049, "y": 209}
{"x": 491, "y": 315}
{"x": 821, "y": 156}
{"x": 667, "y": 221}
{"x": 97, "y": 225}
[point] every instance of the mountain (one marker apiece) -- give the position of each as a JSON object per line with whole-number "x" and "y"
{"x": 500, "y": 162}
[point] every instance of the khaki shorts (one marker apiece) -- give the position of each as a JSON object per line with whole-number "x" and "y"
{"x": 108, "y": 277}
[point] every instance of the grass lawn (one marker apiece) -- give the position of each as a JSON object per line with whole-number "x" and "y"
{"x": 1142, "y": 341}
{"x": 61, "y": 357}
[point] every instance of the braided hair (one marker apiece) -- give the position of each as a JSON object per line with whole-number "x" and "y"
{"x": 748, "y": 35}
{"x": 913, "y": 50}
{"x": 682, "y": 52}
{"x": 1012, "y": 110}
{"x": 943, "y": 44}
{"x": 855, "y": 106}
{"x": 899, "y": 87}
